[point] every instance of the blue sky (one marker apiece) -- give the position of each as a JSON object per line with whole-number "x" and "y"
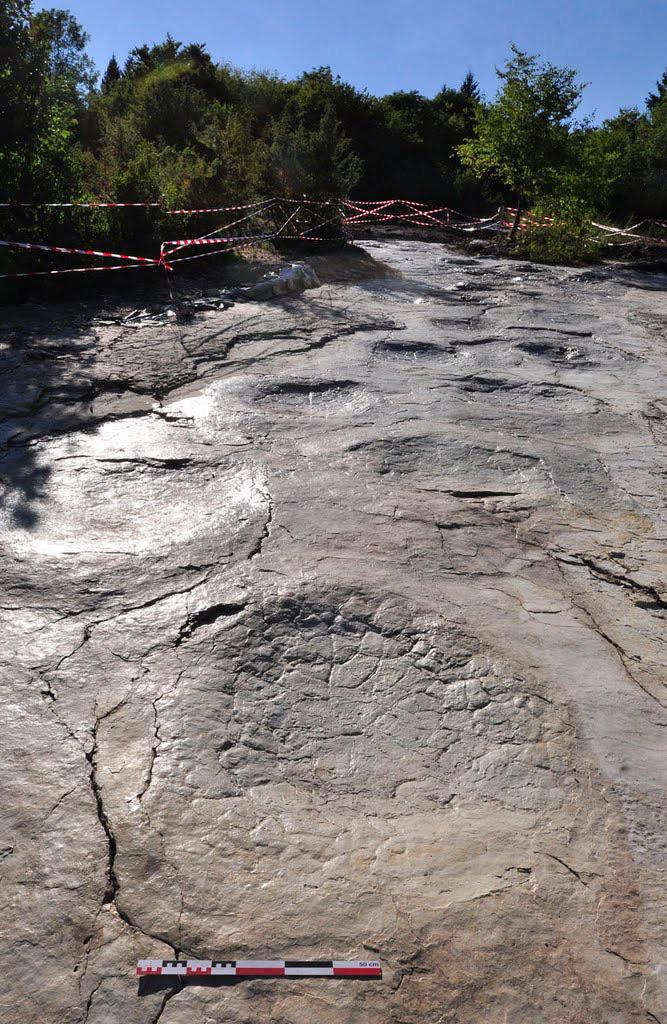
{"x": 619, "y": 46}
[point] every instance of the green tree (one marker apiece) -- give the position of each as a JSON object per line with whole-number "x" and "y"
{"x": 619, "y": 149}
{"x": 22, "y": 66}
{"x": 143, "y": 59}
{"x": 654, "y": 98}
{"x": 333, "y": 167}
{"x": 69, "y": 66}
{"x": 523, "y": 138}
{"x": 470, "y": 87}
{"x": 40, "y": 78}
{"x": 317, "y": 162}
{"x": 654, "y": 190}
{"x": 112, "y": 75}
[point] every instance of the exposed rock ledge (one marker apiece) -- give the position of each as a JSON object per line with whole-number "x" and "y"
{"x": 335, "y": 626}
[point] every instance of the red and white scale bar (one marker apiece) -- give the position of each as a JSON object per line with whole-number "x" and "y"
{"x": 260, "y": 968}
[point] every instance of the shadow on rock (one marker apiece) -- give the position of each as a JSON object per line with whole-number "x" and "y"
{"x": 70, "y": 365}
{"x": 53, "y": 383}
{"x": 45, "y": 367}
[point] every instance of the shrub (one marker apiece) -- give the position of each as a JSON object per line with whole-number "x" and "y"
{"x": 560, "y": 230}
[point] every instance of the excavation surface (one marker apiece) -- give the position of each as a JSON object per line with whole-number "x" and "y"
{"x": 334, "y": 626}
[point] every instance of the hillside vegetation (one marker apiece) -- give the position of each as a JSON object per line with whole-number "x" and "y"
{"x": 169, "y": 124}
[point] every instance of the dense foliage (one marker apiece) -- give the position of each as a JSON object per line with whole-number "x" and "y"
{"x": 171, "y": 124}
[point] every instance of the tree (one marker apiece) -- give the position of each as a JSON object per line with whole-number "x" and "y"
{"x": 523, "y": 138}
{"x": 22, "y": 68}
{"x": 654, "y": 98}
{"x": 470, "y": 87}
{"x": 40, "y": 77}
{"x": 332, "y": 165}
{"x": 112, "y": 75}
{"x": 619, "y": 149}
{"x": 143, "y": 59}
{"x": 197, "y": 55}
{"x": 654, "y": 191}
{"x": 319, "y": 163}
{"x": 69, "y": 66}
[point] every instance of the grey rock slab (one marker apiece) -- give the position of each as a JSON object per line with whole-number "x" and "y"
{"x": 334, "y": 627}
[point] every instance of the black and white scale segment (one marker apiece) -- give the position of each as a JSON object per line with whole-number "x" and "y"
{"x": 261, "y": 968}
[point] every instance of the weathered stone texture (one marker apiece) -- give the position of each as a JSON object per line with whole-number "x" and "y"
{"x": 334, "y": 626}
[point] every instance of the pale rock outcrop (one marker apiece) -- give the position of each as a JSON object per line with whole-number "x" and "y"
{"x": 334, "y": 626}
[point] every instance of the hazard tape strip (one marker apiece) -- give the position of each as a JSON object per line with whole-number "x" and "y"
{"x": 404, "y": 211}
{"x": 132, "y": 262}
{"x": 204, "y": 255}
{"x": 181, "y": 243}
{"x": 307, "y": 234}
{"x": 528, "y": 220}
{"x": 79, "y": 270}
{"x": 260, "y": 968}
{"x": 255, "y": 210}
{"x": 304, "y": 201}
{"x": 77, "y": 206}
{"x": 259, "y": 205}
{"x": 78, "y": 252}
{"x": 185, "y": 210}
{"x": 292, "y": 216}
{"x": 301, "y": 221}
{"x": 372, "y": 205}
{"x": 630, "y": 232}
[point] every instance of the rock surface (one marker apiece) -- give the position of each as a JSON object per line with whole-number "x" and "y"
{"x": 334, "y": 626}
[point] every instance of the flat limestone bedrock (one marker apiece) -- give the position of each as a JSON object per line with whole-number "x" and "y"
{"x": 334, "y": 628}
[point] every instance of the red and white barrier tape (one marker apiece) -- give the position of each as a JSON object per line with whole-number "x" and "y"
{"x": 255, "y": 209}
{"x": 260, "y": 968}
{"x": 182, "y": 243}
{"x": 631, "y": 232}
{"x": 203, "y": 255}
{"x": 295, "y": 214}
{"x": 528, "y": 220}
{"x": 78, "y": 252}
{"x": 405, "y": 211}
{"x": 134, "y": 261}
{"x": 77, "y": 206}
{"x": 95, "y": 205}
{"x": 77, "y": 270}
{"x": 261, "y": 204}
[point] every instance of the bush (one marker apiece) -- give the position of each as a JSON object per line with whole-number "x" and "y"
{"x": 559, "y": 231}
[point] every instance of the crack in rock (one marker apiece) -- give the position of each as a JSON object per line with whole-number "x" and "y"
{"x": 655, "y": 600}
